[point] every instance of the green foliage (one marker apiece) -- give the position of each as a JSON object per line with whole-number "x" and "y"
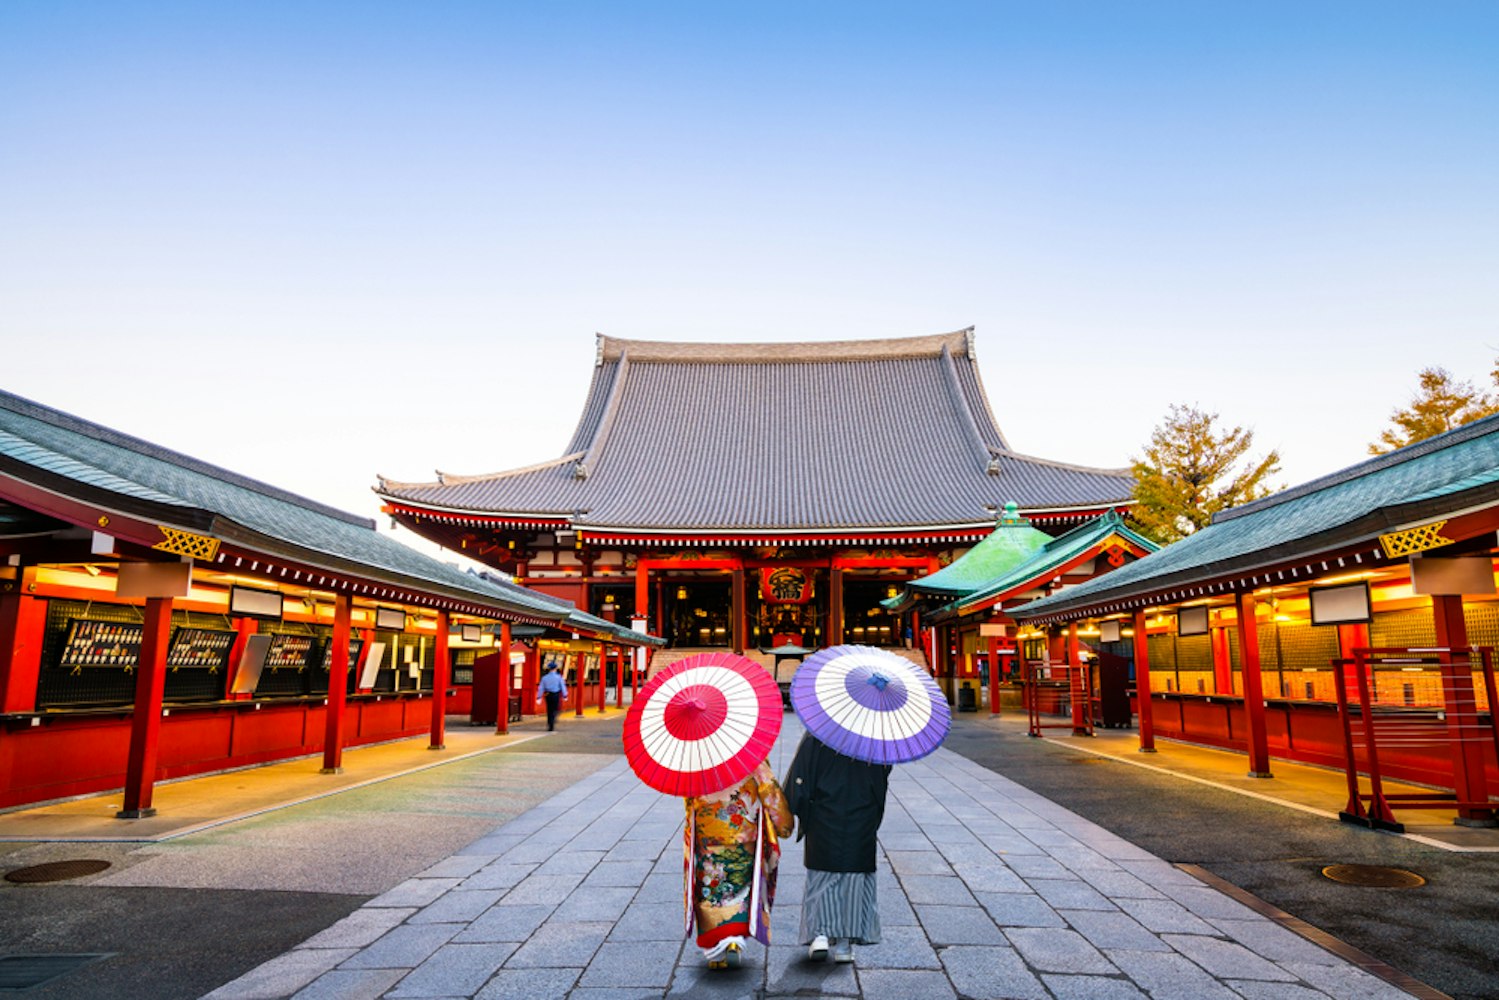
{"x": 1191, "y": 470}
{"x": 1441, "y": 403}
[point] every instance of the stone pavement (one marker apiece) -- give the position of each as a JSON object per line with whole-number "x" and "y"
{"x": 986, "y": 890}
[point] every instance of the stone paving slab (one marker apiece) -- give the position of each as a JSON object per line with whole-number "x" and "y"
{"x": 987, "y": 891}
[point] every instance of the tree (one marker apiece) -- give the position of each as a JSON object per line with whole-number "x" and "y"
{"x": 1191, "y": 470}
{"x": 1441, "y": 403}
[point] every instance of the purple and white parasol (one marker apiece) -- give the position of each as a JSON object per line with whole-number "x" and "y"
{"x": 870, "y": 704}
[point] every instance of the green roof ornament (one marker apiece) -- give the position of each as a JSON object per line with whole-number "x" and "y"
{"x": 1011, "y": 514}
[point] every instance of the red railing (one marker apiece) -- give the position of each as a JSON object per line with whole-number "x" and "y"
{"x": 1454, "y": 728}
{"x": 1078, "y": 690}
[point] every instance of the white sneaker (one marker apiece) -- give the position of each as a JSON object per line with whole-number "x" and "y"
{"x": 843, "y": 951}
{"x": 818, "y": 949}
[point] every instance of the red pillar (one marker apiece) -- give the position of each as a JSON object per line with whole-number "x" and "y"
{"x": 1223, "y": 666}
{"x": 1081, "y": 692}
{"x": 603, "y": 672}
{"x": 1463, "y": 727}
{"x": 244, "y": 628}
{"x": 620, "y": 653}
{"x": 579, "y": 678}
{"x": 835, "y": 606}
{"x": 440, "y": 683}
{"x": 642, "y": 592}
{"x": 23, "y": 624}
{"x": 502, "y": 718}
{"x": 740, "y": 624}
{"x": 1254, "y": 690}
{"x": 1142, "y": 685}
{"x": 993, "y": 675}
{"x": 338, "y": 685}
{"x": 530, "y": 678}
{"x": 145, "y": 724}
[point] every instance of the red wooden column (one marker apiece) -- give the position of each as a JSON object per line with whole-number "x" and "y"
{"x": 1254, "y": 688}
{"x": 621, "y": 655}
{"x": 23, "y": 624}
{"x": 835, "y": 606}
{"x": 1081, "y": 694}
{"x": 338, "y": 684}
{"x": 1223, "y": 665}
{"x": 1142, "y": 685}
{"x": 643, "y": 591}
{"x": 603, "y": 672}
{"x": 440, "y": 683}
{"x": 530, "y": 677}
{"x": 579, "y": 679}
{"x": 243, "y": 628}
{"x": 145, "y": 724}
{"x": 993, "y": 675}
{"x": 740, "y": 624}
{"x": 502, "y": 719}
{"x": 1463, "y": 727}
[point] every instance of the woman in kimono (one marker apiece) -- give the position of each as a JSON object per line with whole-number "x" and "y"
{"x": 839, "y": 803}
{"x": 732, "y": 848}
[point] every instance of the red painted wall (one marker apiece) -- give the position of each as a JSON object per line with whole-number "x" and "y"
{"x": 78, "y": 754}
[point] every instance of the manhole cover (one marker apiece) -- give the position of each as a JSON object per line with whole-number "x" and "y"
{"x": 22, "y": 972}
{"x": 57, "y": 871}
{"x": 1373, "y": 875}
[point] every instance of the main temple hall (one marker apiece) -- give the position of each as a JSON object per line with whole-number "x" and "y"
{"x": 759, "y": 495}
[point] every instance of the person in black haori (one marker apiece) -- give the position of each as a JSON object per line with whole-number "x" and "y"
{"x": 838, "y": 803}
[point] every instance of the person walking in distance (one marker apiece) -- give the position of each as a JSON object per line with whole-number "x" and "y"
{"x": 553, "y": 688}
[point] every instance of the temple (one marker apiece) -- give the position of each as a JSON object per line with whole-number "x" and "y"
{"x": 759, "y": 495}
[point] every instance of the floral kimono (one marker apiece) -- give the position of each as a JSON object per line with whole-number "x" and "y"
{"x": 731, "y": 849}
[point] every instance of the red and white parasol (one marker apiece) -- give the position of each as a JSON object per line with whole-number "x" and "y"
{"x": 703, "y": 724}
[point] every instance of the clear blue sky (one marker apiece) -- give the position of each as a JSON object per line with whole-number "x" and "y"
{"x": 386, "y": 233}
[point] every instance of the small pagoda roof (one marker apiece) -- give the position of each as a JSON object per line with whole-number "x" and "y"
{"x": 1056, "y": 556}
{"x": 842, "y": 436}
{"x": 1011, "y": 543}
{"x": 1331, "y": 522}
{"x": 143, "y": 483}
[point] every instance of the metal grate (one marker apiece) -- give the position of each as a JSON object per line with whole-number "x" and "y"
{"x": 22, "y": 972}
{"x": 1373, "y": 876}
{"x": 57, "y": 871}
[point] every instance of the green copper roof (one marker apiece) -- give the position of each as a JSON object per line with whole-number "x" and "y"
{"x": 1055, "y": 554}
{"x": 1011, "y": 543}
{"x": 1427, "y": 480}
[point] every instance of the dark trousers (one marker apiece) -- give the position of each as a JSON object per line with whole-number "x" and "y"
{"x": 554, "y": 702}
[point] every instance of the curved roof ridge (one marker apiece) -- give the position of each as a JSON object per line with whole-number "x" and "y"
{"x": 606, "y": 419}
{"x": 1127, "y": 470}
{"x": 1411, "y": 452}
{"x": 448, "y": 479}
{"x": 807, "y": 351}
{"x": 960, "y": 404}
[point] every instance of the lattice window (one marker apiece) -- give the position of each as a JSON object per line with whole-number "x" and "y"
{"x": 1412, "y": 627}
{"x": 1305, "y": 647}
{"x": 1482, "y": 619}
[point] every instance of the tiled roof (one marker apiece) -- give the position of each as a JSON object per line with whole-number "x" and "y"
{"x": 1337, "y": 511}
{"x": 41, "y": 444}
{"x": 874, "y": 434}
{"x": 1051, "y": 557}
{"x": 1011, "y": 542}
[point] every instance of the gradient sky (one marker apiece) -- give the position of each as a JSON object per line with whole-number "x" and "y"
{"x": 314, "y": 241}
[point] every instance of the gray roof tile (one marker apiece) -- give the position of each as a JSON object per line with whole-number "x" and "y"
{"x": 1348, "y": 507}
{"x": 35, "y": 439}
{"x": 844, "y": 435}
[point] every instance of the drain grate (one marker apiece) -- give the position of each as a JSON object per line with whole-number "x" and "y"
{"x": 22, "y": 972}
{"x": 1374, "y": 876}
{"x": 57, "y": 871}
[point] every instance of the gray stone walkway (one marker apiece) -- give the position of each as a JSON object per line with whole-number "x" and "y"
{"x": 986, "y": 891}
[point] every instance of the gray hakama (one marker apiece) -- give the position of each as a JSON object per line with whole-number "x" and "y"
{"x": 841, "y": 905}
